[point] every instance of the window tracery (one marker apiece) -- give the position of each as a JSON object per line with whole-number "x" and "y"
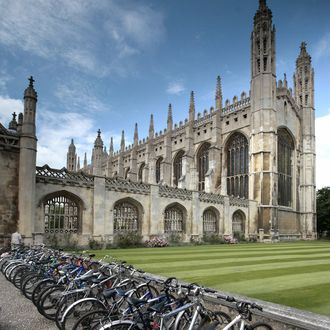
{"x": 61, "y": 215}
{"x": 125, "y": 218}
{"x": 174, "y": 220}
{"x": 238, "y": 166}
{"x": 285, "y": 147}
{"x": 177, "y": 167}
{"x": 202, "y": 165}
{"x": 209, "y": 222}
{"x": 158, "y": 169}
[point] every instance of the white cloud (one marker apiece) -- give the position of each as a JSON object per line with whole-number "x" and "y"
{"x": 7, "y": 107}
{"x": 79, "y": 96}
{"x": 89, "y": 35}
{"x": 322, "y": 125}
{"x": 322, "y": 47}
{"x": 175, "y": 87}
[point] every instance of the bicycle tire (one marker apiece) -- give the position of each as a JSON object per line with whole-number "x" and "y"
{"x": 43, "y": 284}
{"x": 17, "y": 278}
{"x": 260, "y": 326}
{"x": 48, "y": 304}
{"x": 78, "y": 309}
{"x": 145, "y": 291}
{"x": 92, "y": 320}
{"x": 120, "y": 325}
{"x": 29, "y": 285}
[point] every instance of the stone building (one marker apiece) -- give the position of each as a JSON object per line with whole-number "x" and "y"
{"x": 245, "y": 167}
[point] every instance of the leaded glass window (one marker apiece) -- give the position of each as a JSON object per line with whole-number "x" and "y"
{"x": 238, "y": 166}
{"x": 177, "y": 168}
{"x": 61, "y": 215}
{"x": 158, "y": 169}
{"x": 125, "y": 218}
{"x": 209, "y": 222}
{"x": 285, "y": 148}
{"x": 174, "y": 221}
{"x": 238, "y": 223}
{"x": 140, "y": 174}
{"x": 202, "y": 165}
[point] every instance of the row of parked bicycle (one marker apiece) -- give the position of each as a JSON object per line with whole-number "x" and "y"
{"x": 77, "y": 292}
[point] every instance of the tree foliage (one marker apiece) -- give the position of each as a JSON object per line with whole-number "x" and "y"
{"x": 323, "y": 211}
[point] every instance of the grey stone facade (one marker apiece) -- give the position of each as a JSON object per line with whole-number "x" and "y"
{"x": 246, "y": 166}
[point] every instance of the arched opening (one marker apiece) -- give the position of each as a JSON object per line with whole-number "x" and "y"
{"x": 177, "y": 167}
{"x": 158, "y": 169}
{"x": 202, "y": 165}
{"x": 62, "y": 213}
{"x": 285, "y": 147}
{"x": 174, "y": 219}
{"x": 238, "y": 224}
{"x": 140, "y": 173}
{"x": 237, "y": 151}
{"x": 210, "y": 222}
{"x": 126, "y": 173}
{"x": 126, "y": 217}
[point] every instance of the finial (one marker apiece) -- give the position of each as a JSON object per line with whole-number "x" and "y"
{"x": 218, "y": 94}
{"x": 262, "y": 4}
{"x": 85, "y": 160}
{"x": 13, "y": 123}
{"x": 111, "y": 145}
{"x": 169, "y": 117}
{"x": 122, "y": 143}
{"x": 72, "y": 141}
{"x": 31, "y": 81}
{"x": 192, "y": 102}
{"x": 98, "y": 133}
{"x": 303, "y": 47}
{"x": 151, "y": 125}
{"x": 14, "y": 116}
{"x": 136, "y": 135}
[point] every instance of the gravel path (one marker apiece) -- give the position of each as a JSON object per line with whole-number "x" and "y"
{"x": 17, "y": 312}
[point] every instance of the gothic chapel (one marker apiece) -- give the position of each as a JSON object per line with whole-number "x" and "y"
{"x": 245, "y": 168}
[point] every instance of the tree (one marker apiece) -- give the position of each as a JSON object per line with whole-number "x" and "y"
{"x": 323, "y": 211}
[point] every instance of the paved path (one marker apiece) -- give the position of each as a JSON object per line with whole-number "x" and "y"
{"x": 18, "y": 312}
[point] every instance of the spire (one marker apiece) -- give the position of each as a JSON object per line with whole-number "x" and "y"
{"x": 304, "y": 57}
{"x": 169, "y": 118}
{"x": 98, "y": 141}
{"x": 122, "y": 143}
{"x": 136, "y": 135}
{"x": 218, "y": 95}
{"x": 78, "y": 164}
{"x": 151, "y": 127}
{"x": 85, "y": 160}
{"x": 192, "y": 107}
{"x": 13, "y": 123}
{"x": 111, "y": 147}
{"x": 72, "y": 147}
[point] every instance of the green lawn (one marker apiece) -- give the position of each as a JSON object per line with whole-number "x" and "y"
{"x": 295, "y": 274}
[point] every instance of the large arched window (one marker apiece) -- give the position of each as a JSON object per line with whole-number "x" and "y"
{"x": 285, "y": 147}
{"x": 158, "y": 169}
{"x": 202, "y": 165}
{"x": 238, "y": 224}
{"x": 125, "y": 218}
{"x": 209, "y": 222}
{"x": 61, "y": 215}
{"x": 174, "y": 220}
{"x": 140, "y": 174}
{"x": 238, "y": 166}
{"x": 177, "y": 167}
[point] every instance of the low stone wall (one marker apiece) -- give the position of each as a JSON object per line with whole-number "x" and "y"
{"x": 280, "y": 317}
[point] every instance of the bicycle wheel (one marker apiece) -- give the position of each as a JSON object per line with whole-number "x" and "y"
{"x": 120, "y": 325}
{"x": 78, "y": 309}
{"x": 48, "y": 304}
{"x": 146, "y": 291}
{"x": 19, "y": 274}
{"x": 67, "y": 300}
{"x": 260, "y": 326}
{"x": 42, "y": 285}
{"x": 29, "y": 285}
{"x": 92, "y": 320}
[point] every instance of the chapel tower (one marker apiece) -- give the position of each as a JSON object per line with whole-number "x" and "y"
{"x": 71, "y": 158}
{"x": 263, "y": 117}
{"x": 27, "y": 165}
{"x": 304, "y": 96}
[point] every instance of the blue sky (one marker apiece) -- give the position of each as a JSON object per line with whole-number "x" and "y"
{"x": 108, "y": 64}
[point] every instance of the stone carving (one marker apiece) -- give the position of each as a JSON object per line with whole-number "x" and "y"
{"x": 171, "y": 192}
{"x": 236, "y": 106}
{"x": 211, "y": 198}
{"x": 236, "y": 201}
{"x": 8, "y": 139}
{"x": 117, "y": 184}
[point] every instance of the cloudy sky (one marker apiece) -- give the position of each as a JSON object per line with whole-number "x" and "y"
{"x": 110, "y": 63}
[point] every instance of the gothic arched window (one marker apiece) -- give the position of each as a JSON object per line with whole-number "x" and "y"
{"x": 238, "y": 223}
{"x": 140, "y": 174}
{"x": 62, "y": 215}
{"x": 174, "y": 220}
{"x": 209, "y": 222}
{"x": 158, "y": 169}
{"x": 125, "y": 218}
{"x": 202, "y": 165}
{"x": 238, "y": 166}
{"x": 285, "y": 148}
{"x": 177, "y": 167}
